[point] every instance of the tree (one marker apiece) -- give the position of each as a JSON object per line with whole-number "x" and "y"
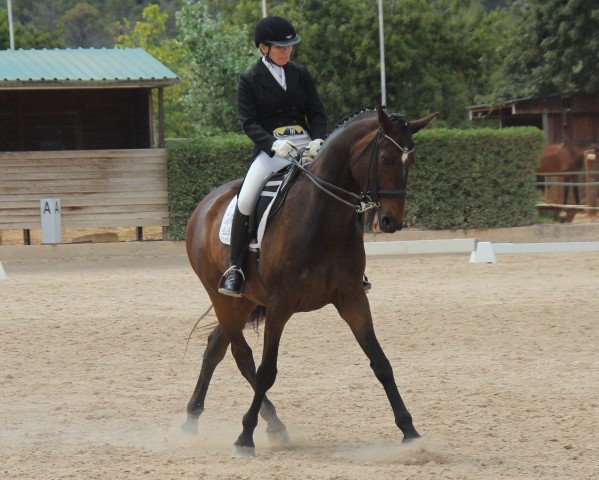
{"x": 216, "y": 53}
{"x": 150, "y": 34}
{"x": 26, "y": 37}
{"x": 83, "y": 27}
{"x": 555, "y": 50}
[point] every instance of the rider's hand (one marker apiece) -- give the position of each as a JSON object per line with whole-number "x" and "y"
{"x": 313, "y": 147}
{"x": 282, "y": 148}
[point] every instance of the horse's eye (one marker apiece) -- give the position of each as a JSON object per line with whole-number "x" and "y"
{"x": 387, "y": 160}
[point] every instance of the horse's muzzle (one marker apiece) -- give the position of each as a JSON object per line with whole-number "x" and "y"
{"x": 388, "y": 225}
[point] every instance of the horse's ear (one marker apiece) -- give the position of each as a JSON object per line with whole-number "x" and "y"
{"x": 384, "y": 119}
{"x": 419, "y": 124}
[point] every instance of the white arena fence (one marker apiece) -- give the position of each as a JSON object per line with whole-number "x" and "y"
{"x": 480, "y": 252}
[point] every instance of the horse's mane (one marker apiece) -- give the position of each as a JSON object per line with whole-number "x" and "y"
{"x": 350, "y": 117}
{"x": 354, "y": 116}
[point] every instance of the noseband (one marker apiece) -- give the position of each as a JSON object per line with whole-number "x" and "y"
{"x": 367, "y": 199}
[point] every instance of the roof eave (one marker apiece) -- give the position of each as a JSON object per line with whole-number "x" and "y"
{"x": 81, "y": 84}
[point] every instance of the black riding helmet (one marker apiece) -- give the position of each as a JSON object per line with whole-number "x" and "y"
{"x": 275, "y": 31}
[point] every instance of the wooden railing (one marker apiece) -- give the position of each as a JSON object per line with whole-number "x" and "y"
{"x": 97, "y": 188}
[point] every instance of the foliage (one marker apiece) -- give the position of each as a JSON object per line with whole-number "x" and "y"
{"x": 26, "y": 37}
{"x": 195, "y": 167}
{"x": 83, "y": 27}
{"x": 217, "y": 53}
{"x": 149, "y": 33}
{"x": 465, "y": 179}
{"x": 554, "y": 49}
{"x": 47, "y": 15}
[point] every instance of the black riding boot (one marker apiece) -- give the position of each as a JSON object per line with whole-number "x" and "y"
{"x": 233, "y": 280}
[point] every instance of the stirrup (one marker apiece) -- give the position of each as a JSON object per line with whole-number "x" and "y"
{"x": 223, "y": 279}
{"x": 366, "y": 284}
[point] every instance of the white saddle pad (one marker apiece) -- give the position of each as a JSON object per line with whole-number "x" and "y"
{"x": 225, "y": 227}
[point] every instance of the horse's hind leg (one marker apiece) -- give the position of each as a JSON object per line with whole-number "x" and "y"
{"x": 216, "y": 348}
{"x": 242, "y": 353}
{"x": 358, "y": 317}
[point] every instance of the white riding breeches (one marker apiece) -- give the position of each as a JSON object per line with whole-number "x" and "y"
{"x": 260, "y": 168}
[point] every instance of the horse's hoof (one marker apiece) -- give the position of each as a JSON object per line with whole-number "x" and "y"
{"x": 243, "y": 452}
{"x": 278, "y": 438}
{"x": 190, "y": 426}
{"x": 410, "y": 438}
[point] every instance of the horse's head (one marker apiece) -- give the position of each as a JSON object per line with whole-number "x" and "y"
{"x": 385, "y": 172}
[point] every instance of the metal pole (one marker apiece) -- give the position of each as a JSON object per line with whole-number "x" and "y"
{"x": 382, "y": 49}
{"x": 263, "y": 8}
{"x": 11, "y": 33}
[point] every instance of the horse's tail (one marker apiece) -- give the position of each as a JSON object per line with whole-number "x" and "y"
{"x": 257, "y": 316}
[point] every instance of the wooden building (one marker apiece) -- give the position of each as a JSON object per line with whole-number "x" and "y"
{"x": 572, "y": 117}
{"x": 78, "y": 124}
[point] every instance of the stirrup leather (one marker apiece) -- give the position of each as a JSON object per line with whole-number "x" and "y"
{"x": 223, "y": 278}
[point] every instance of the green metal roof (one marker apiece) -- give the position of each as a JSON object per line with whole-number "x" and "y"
{"x": 82, "y": 67}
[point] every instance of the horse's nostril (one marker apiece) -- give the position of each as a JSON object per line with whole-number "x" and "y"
{"x": 387, "y": 225}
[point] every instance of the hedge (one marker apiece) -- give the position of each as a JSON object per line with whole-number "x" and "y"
{"x": 197, "y": 166}
{"x": 463, "y": 179}
{"x": 479, "y": 178}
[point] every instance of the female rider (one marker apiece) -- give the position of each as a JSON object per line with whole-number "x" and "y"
{"x": 280, "y": 109}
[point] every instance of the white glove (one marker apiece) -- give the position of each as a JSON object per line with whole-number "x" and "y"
{"x": 282, "y": 148}
{"x": 313, "y": 148}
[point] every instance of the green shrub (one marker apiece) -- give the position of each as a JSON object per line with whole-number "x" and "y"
{"x": 197, "y": 166}
{"x": 480, "y": 178}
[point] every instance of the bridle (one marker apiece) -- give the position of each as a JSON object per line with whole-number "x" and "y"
{"x": 367, "y": 199}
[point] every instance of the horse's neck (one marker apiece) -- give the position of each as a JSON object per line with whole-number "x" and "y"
{"x": 333, "y": 163}
{"x": 333, "y": 166}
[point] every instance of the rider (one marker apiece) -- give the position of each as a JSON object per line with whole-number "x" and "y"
{"x": 280, "y": 109}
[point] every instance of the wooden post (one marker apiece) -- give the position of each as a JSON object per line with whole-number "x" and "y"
{"x": 27, "y": 237}
{"x": 139, "y": 233}
{"x": 590, "y": 165}
{"x": 151, "y": 118}
{"x": 161, "y": 117}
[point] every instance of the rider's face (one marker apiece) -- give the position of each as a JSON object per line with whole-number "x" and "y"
{"x": 279, "y": 55}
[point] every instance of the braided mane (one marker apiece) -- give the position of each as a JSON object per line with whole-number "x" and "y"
{"x": 350, "y": 117}
{"x": 393, "y": 116}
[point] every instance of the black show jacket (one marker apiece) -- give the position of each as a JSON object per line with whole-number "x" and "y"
{"x": 264, "y": 105}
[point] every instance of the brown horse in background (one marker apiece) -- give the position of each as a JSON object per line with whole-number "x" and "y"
{"x": 312, "y": 254}
{"x": 565, "y": 157}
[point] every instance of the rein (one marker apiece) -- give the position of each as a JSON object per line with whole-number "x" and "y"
{"x": 366, "y": 200}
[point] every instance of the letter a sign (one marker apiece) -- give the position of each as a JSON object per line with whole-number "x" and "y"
{"x": 50, "y": 219}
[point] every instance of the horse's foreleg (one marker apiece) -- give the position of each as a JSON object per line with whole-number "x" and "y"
{"x": 215, "y": 351}
{"x": 245, "y": 362}
{"x": 265, "y": 378}
{"x": 358, "y": 317}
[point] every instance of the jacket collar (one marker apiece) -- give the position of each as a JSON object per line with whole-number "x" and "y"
{"x": 264, "y": 76}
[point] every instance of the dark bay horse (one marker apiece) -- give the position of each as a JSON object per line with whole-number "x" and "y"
{"x": 312, "y": 254}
